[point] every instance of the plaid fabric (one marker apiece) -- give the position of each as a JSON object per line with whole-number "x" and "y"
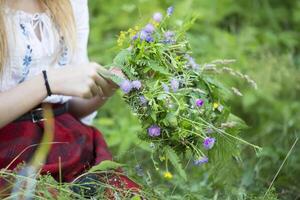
{"x": 78, "y": 146}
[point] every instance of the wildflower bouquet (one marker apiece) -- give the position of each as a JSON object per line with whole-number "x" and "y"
{"x": 180, "y": 104}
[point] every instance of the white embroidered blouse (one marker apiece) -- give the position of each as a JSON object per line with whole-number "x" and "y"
{"x": 30, "y": 54}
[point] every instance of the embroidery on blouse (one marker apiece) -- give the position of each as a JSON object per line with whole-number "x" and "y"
{"x": 26, "y": 63}
{"x": 24, "y": 31}
{"x": 63, "y": 59}
{"x": 27, "y": 59}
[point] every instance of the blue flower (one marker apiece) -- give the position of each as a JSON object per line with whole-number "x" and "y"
{"x": 166, "y": 87}
{"x": 154, "y": 131}
{"x": 143, "y": 34}
{"x": 143, "y": 100}
{"x": 169, "y": 34}
{"x": 209, "y": 131}
{"x": 170, "y": 10}
{"x": 169, "y": 37}
{"x": 157, "y": 17}
{"x": 149, "y": 28}
{"x": 208, "y": 143}
{"x": 191, "y": 62}
{"x": 146, "y": 36}
{"x": 135, "y": 37}
{"x": 201, "y": 161}
{"x": 174, "y": 85}
{"x": 136, "y": 84}
{"x": 149, "y": 38}
{"x": 126, "y": 86}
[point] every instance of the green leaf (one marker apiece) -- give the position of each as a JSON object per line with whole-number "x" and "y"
{"x": 121, "y": 58}
{"x": 156, "y": 67}
{"x": 172, "y": 119}
{"x": 105, "y": 165}
{"x": 116, "y": 79}
{"x": 174, "y": 159}
{"x": 136, "y": 198}
{"x": 162, "y": 96}
{"x": 238, "y": 121}
{"x": 153, "y": 116}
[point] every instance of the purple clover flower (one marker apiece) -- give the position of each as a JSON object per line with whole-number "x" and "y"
{"x": 154, "y": 131}
{"x": 208, "y": 143}
{"x": 174, "y": 85}
{"x": 126, "y": 86}
{"x": 157, "y": 17}
{"x": 143, "y": 34}
{"x": 169, "y": 37}
{"x": 170, "y": 10}
{"x": 149, "y": 28}
{"x": 191, "y": 62}
{"x": 169, "y": 34}
{"x": 209, "y": 131}
{"x": 146, "y": 36}
{"x": 199, "y": 102}
{"x": 166, "y": 87}
{"x": 143, "y": 100}
{"x": 136, "y": 84}
{"x": 135, "y": 37}
{"x": 149, "y": 39}
{"x": 201, "y": 161}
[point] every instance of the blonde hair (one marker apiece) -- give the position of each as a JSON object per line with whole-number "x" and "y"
{"x": 62, "y": 14}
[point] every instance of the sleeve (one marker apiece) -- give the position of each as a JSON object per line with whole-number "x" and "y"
{"x": 80, "y": 54}
{"x": 81, "y": 15}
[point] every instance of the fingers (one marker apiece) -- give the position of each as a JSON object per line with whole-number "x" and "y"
{"x": 93, "y": 91}
{"x": 102, "y": 74}
{"x": 107, "y": 85}
{"x": 103, "y": 84}
{"x": 96, "y": 91}
{"x": 87, "y": 95}
{"x": 117, "y": 71}
{"x": 100, "y": 69}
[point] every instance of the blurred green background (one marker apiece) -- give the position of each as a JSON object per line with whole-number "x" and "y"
{"x": 264, "y": 37}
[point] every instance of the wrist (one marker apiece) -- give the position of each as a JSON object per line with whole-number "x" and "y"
{"x": 39, "y": 85}
{"x": 53, "y": 81}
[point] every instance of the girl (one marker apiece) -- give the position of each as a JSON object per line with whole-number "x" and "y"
{"x": 43, "y": 60}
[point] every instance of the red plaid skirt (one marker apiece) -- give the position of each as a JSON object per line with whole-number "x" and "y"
{"x": 77, "y": 145}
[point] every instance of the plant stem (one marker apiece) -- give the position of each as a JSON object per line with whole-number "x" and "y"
{"x": 223, "y": 132}
{"x": 284, "y": 161}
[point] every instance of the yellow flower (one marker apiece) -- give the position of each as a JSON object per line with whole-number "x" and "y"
{"x": 121, "y": 38}
{"x": 132, "y": 32}
{"x": 162, "y": 158}
{"x": 168, "y": 175}
{"x": 216, "y": 105}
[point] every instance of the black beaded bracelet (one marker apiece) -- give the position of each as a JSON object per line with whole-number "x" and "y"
{"x": 49, "y": 92}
